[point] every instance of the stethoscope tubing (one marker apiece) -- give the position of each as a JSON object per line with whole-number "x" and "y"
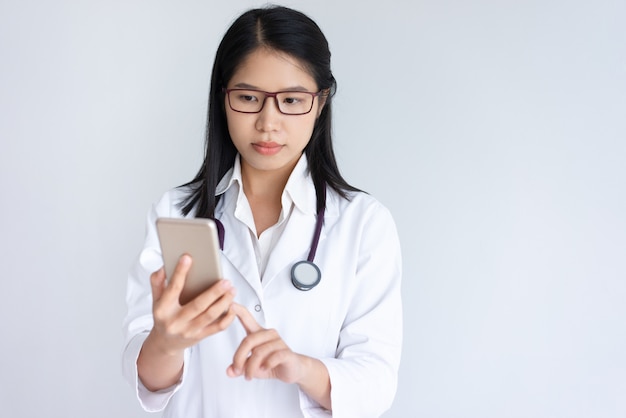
{"x": 303, "y": 285}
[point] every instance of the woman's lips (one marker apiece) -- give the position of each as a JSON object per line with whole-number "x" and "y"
{"x": 267, "y": 148}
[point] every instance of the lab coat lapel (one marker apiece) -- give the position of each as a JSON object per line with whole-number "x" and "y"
{"x": 239, "y": 251}
{"x": 293, "y": 245}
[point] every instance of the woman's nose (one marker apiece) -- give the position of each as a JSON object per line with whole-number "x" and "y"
{"x": 269, "y": 116}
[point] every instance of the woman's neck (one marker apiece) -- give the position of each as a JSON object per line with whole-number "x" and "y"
{"x": 266, "y": 185}
{"x": 264, "y": 190}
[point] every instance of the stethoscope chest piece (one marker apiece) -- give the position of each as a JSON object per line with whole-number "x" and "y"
{"x": 305, "y": 275}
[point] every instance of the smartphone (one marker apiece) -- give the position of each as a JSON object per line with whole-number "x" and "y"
{"x": 198, "y": 238}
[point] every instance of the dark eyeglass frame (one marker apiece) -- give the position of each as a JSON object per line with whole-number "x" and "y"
{"x": 275, "y": 96}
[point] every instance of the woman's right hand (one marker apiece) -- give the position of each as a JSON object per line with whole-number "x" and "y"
{"x": 177, "y": 326}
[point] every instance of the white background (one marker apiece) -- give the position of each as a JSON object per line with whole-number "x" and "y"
{"x": 495, "y": 131}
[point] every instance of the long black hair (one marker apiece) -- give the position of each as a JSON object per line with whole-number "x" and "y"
{"x": 295, "y": 34}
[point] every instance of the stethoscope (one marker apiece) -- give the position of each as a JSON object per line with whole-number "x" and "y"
{"x": 305, "y": 274}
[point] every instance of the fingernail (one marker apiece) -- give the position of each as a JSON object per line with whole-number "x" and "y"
{"x": 226, "y": 284}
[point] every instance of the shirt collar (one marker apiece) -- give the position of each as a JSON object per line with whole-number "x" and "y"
{"x": 231, "y": 177}
{"x": 299, "y": 188}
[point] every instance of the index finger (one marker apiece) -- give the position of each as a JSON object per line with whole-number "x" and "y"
{"x": 177, "y": 281}
{"x": 246, "y": 318}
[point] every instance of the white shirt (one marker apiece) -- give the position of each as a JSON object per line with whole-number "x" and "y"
{"x": 264, "y": 244}
{"x": 351, "y": 321}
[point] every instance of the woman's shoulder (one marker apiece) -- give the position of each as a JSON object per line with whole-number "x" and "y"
{"x": 362, "y": 217}
{"x": 170, "y": 203}
{"x": 355, "y": 202}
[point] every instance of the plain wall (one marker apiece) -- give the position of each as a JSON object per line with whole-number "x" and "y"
{"x": 495, "y": 131}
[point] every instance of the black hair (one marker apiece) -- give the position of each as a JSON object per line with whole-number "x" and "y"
{"x": 295, "y": 34}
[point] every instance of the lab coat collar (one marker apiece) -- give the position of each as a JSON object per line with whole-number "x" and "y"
{"x": 238, "y": 249}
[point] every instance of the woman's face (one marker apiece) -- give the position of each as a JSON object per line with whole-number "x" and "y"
{"x": 270, "y": 140}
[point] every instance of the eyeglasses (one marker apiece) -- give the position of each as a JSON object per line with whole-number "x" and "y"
{"x": 289, "y": 102}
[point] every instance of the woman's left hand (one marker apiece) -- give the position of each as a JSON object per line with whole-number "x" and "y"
{"x": 263, "y": 354}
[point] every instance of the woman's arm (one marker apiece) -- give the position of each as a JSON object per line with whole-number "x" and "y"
{"x": 363, "y": 373}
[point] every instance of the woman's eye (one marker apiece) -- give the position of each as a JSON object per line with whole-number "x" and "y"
{"x": 247, "y": 98}
{"x": 291, "y": 100}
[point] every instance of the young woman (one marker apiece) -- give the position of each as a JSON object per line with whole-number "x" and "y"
{"x": 258, "y": 344}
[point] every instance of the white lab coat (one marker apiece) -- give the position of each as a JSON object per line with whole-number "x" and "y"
{"x": 351, "y": 321}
